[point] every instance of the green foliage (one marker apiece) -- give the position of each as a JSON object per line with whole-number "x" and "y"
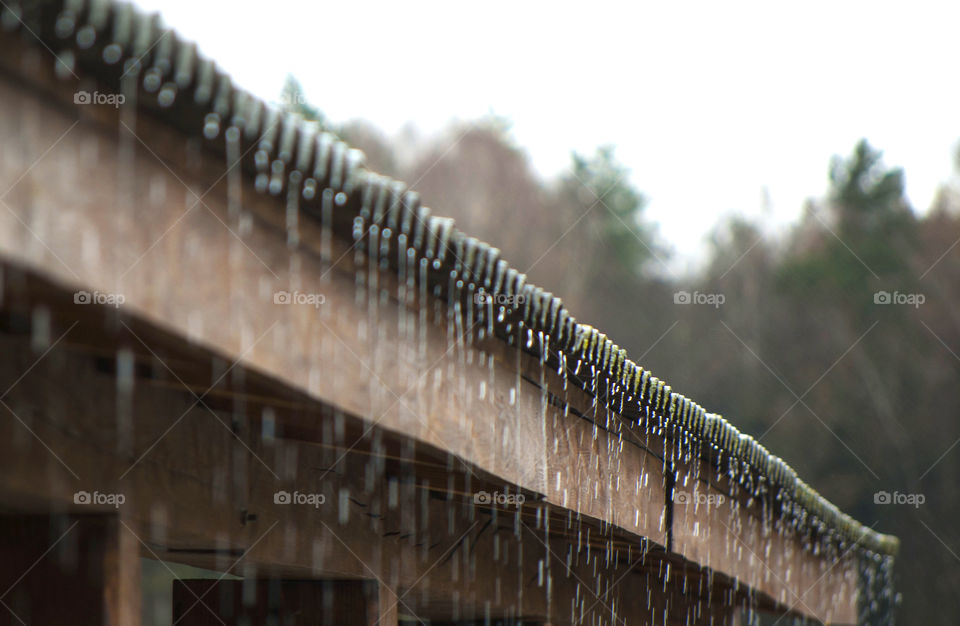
{"x": 600, "y": 184}
{"x": 867, "y": 198}
{"x": 804, "y": 358}
{"x": 294, "y": 100}
{"x": 867, "y": 234}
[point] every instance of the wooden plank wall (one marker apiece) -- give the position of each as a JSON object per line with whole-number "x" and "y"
{"x": 106, "y": 202}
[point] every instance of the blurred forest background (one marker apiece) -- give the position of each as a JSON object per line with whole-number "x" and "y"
{"x": 859, "y": 396}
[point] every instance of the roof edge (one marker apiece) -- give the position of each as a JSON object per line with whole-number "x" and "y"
{"x": 290, "y": 157}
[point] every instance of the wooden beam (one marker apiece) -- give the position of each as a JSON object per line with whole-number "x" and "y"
{"x": 384, "y": 608}
{"x": 201, "y": 277}
{"x": 730, "y": 533}
{"x": 205, "y": 494}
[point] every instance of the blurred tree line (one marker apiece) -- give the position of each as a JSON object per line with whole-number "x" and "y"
{"x": 858, "y": 395}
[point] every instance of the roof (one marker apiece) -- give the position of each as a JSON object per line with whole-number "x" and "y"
{"x": 116, "y": 43}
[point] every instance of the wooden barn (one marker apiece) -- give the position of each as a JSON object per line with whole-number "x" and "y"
{"x": 246, "y": 379}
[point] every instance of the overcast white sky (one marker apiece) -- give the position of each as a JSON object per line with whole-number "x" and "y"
{"x": 708, "y": 102}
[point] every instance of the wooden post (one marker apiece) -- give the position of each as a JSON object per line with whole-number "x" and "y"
{"x": 384, "y": 609}
{"x": 68, "y": 569}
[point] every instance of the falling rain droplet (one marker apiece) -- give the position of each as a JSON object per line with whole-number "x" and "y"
{"x": 211, "y": 126}
{"x": 86, "y": 37}
{"x": 40, "y": 329}
{"x": 112, "y": 53}
{"x": 65, "y": 25}
{"x": 168, "y": 93}
{"x": 152, "y": 79}
{"x": 65, "y": 64}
